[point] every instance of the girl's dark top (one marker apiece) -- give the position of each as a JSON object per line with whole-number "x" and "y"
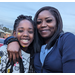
{"x": 61, "y": 59}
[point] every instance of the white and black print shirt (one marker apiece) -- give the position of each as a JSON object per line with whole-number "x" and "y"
{"x": 4, "y": 60}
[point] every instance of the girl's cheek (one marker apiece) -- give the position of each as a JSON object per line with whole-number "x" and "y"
{"x": 18, "y": 33}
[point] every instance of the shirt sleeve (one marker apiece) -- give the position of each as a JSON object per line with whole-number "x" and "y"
{"x": 7, "y": 39}
{"x": 3, "y": 57}
{"x": 68, "y": 54}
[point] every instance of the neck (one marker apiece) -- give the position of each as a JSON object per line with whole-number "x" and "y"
{"x": 46, "y": 40}
{"x": 24, "y": 49}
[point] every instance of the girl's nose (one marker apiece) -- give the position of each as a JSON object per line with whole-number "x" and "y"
{"x": 25, "y": 33}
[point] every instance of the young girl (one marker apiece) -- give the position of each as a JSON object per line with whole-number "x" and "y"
{"x": 23, "y": 33}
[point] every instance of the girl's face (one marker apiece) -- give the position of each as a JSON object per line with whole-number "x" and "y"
{"x": 25, "y": 33}
{"x": 46, "y": 24}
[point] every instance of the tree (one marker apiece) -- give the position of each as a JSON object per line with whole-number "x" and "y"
{"x": 5, "y": 29}
{"x": 1, "y": 26}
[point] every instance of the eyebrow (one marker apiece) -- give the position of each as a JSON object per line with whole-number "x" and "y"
{"x": 23, "y": 28}
{"x": 48, "y": 17}
{"x": 30, "y": 28}
{"x": 20, "y": 27}
{"x": 45, "y": 18}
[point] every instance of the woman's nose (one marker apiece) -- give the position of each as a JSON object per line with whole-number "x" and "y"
{"x": 43, "y": 24}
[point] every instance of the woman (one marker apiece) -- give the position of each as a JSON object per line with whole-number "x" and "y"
{"x": 54, "y": 49}
{"x": 23, "y": 33}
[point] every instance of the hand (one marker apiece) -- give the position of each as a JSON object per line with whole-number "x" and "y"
{"x": 14, "y": 51}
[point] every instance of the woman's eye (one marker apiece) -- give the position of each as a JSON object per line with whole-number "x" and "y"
{"x": 48, "y": 21}
{"x": 38, "y": 22}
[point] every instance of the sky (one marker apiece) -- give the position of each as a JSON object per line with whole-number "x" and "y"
{"x": 10, "y": 10}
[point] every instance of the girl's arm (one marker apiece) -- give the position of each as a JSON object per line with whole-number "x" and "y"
{"x": 3, "y": 58}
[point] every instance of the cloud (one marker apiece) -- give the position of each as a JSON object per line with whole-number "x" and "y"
{"x": 10, "y": 10}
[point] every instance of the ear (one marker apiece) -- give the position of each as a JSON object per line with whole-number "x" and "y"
{"x": 14, "y": 34}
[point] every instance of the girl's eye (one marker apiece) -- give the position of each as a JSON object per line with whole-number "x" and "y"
{"x": 20, "y": 30}
{"x": 30, "y": 32}
{"x": 48, "y": 21}
{"x": 38, "y": 22}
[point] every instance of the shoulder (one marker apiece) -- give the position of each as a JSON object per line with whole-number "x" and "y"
{"x": 3, "y": 48}
{"x": 66, "y": 40}
{"x": 7, "y": 39}
{"x": 67, "y": 36}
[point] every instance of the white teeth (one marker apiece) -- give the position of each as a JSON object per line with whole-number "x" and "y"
{"x": 25, "y": 40}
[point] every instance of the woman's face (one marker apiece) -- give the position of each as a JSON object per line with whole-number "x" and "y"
{"x": 25, "y": 33}
{"x": 46, "y": 24}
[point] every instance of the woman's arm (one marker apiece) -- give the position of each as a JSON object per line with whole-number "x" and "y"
{"x": 13, "y": 48}
{"x": 7, "y": 39}
{"x": 68, "y": 53}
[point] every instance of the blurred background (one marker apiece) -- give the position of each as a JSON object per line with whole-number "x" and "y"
{"x": 10, "y": 10}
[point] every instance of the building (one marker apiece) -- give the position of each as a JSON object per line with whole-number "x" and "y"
{"x": 1, "y": 33}
{"x": 7, "y": 34}
{"x": 4, "y": 34}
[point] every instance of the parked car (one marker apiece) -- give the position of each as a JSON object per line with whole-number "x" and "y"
{"x": 1, "y": 41}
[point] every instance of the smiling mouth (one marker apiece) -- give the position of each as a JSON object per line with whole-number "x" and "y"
{"x": 25, "y": 41}
{"x": 44, "y": 30}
